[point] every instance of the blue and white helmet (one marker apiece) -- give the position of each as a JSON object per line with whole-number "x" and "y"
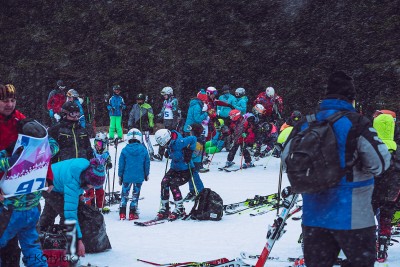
{"x": 134, "y": 134}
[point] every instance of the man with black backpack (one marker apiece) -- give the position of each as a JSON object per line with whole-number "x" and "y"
{"x": 337, "y": 210}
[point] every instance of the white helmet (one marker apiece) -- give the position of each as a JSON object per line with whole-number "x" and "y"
{"x": 162, "y": 136}
{"x": 100, "y": 142}
{"x": 240, "y": 91}
{"x": 72, "y": 93}
{"x": 259, "y": 109}
{"x": 270, "y": 92}
{"x": 211, "y": 91}
{"x": 134, "y": 134}
{"x": 167, "y": 91}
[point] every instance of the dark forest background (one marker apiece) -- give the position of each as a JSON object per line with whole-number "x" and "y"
{"x": 291, "y": 45}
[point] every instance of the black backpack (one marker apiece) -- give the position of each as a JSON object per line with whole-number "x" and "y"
{"x": 312, "y": 160}
{"x": 208, "y": 206}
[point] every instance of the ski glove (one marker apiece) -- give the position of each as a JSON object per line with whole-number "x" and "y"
{"x": 120, "y": 180}
{"x": 57, "y": 117}
{"x": 146, "y": 178}
{"x": 244, "y": 135}
{"x": 205, "y": 107}
{"x": 109, "y": 165}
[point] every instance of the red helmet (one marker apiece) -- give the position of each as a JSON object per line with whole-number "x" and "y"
{"x": 234, "y": 114}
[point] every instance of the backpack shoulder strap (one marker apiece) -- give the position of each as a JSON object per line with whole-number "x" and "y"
{"x": 336, "y": 116}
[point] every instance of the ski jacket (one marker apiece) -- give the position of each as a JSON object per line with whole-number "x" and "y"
{"x": 240, "y": 127}
{"x": 134, "y": 163}
{"x": 73, "y": 140}
{"x": 195, "y": 114}
{"x": 223, "y": 111}
{"x": 55, "y": 100}
{"x": 169, "y": 109}
{"x": 141, "y": 117}
{"x": 241, "y": 104}
{"x": 269, "y": 103}
{"x": 116, "y": 105}
{"x": 8, "y": 128}
{"x": 198, "y": 152}
{"x": 67, "y": 181}
{"x": 347, "y": 206}
{"x": 175, "y": 150}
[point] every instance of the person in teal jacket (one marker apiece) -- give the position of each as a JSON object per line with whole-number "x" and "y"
{"x": 241, "y": 100}
{"x": 115, "y": 106}
{"x": 197, "y": 111}
{"x": 71, "y": 177}
{"x": 227, "y": 97}
{"x": 133, "y": 169}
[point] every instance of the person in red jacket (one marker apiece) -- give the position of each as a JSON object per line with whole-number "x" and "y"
{"x": 242, "y": 136}
{"x": 272, "y": 103}
{"x": 55, "y": 101}
{"x": 9, "y": 117}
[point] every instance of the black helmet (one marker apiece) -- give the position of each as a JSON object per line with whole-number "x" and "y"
{"x": 296, "y": 116}
{"x": 141, "y": 97}
{"x": 116, "y": 87}
{"x": 69, "y": 107}
{"x": 60, "y": 84}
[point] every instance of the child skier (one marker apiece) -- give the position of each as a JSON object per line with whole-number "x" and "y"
{"x": 133, "y": 169}
{"x": 179, "y": 150}
{"x": 101, "y": 153}
{"x": 115, "y": 106}
{"x": 73, "y": 96}
{"x": 142, "y": 118}
{"x": 242, "y": 136}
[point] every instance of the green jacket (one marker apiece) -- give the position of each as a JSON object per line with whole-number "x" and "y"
{"x": 141, "y": 117}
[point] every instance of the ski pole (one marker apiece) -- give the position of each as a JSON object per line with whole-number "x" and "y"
{"x": 269, "y": 157}
{"x": 115, "y": 166}
{"x": 191, "y": 175}
{"x": 215, "y": 151}
{"x": 166, "y": 166}
{"x": 241, "y": 159}
{"x": 279, "y": 187}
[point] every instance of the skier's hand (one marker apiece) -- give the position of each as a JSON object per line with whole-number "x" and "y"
{"x": 120, "y": 180}
{"x": 80, "y": 249}
{"x": 57, "y": 117}
{"x": 49, "y": 188}
{"x": 109, "y": 165}
{"x": 146, "y": 178}
{"x": 244, "y": 135}
{"x": 205, "y": 107}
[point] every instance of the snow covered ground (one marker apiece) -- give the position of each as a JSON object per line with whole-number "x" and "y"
{"x": 182, "y": 241}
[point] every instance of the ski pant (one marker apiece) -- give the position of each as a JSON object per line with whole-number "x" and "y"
{"x": 126, "y": 187}
{"x": 115, "y": 125}
{"x": 246, "y": 154}
{"x": 95, "y": 195}
{"x": 22, "y": 225}
{"x": 171, "y": 181}
{"x": 198, "y": 183}
{"x": 10, "y": 254}
{"x": 322, "y": 246}
{"x": 53, "y": 206}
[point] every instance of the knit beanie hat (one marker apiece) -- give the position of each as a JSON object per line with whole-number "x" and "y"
{"x": 7, "y": 91}
{"x": 95, "y": 173}
{"x": 340, "y": 84}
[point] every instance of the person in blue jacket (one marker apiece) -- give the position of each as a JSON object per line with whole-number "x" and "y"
{"x": 241, "y": 100}
{"x": 133, "y": 169}
{"x": 71, "y": 177}
{"x": 115, "y": 106}
{"x": 342, "y": 217}
{"x": 179, "y": 151}
{"x": 197, "y": 111}
{"x": 230, "y": 100}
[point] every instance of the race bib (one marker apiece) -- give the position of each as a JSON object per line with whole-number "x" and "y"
{"x": 168, "y": 114}
{"x": 28, "y": 174}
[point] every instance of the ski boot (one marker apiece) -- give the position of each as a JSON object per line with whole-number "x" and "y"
{"x": 382, "y": 247}
{"x": 248, "y": 165}
{"x": 163, "y": 213}
{"x": 133, "y": 214}
{"x": 152, "y": 156}
{"x": 203, "y": 170}
{"x": 158, "y": 157}
{"x": 206, "y": 161}
{"x": 189, "y": 197}
{"x": 122, "y": 213}
{"x": 228, "y": 164}
{"x": 178, "y": 212}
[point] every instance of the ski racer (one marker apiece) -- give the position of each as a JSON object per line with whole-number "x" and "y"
{"x": 241, "y": 100}
{"x": 387, "y": 185}
{"x": 242, "y": 136}
{"x": 133, "y": 169}
{"x": 179, "y": 150}
{"x": 115, "y": 106}
{"x": 71, "y": 177}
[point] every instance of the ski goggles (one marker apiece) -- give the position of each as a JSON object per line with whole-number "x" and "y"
{"x": 75, "y": 114}
{"x": 98, "y": 143}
